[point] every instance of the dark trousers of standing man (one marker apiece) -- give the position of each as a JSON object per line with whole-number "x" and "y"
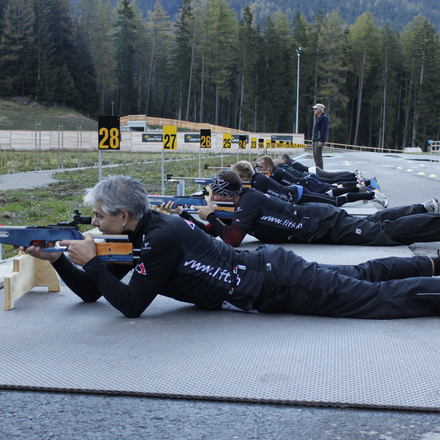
{"x": 317, "y": 155}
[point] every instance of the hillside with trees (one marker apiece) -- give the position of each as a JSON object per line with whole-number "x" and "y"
{"x": 397, "y": 13}
{"x": 380, "y": 85}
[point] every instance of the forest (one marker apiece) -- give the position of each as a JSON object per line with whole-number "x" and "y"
{"x": 397, "y": 13}
{"x": 379, "y": 85}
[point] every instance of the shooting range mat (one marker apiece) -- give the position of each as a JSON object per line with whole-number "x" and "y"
{"x": 54, "y": 342}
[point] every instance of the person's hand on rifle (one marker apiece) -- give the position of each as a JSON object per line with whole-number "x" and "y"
{"x": 80, "y": 251}
{"x": 168, "y": 208}
{"x": 37, "y": 252}
{"x": 204, "y": 211}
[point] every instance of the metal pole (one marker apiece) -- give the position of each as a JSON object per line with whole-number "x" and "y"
{"x": 298, "y": 52}
{"x": 163, "y": 172}
{"x": 222, "y": 148}
{"x": 59, "y": 147}
{"x": 36, "y": 146}
{"x": 79, "y": 144}
{"x": 100, "y": 165}
{"x": 200, "y": 161}
{"x": 39, "y": 146}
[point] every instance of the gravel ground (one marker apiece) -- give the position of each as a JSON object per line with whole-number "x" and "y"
{"x": 27, "y": 415}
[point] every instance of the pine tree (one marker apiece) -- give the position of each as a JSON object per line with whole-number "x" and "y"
{"x": 124, "y": 44}
{"x": 183, "y": 56}
{"x": 301, "y": 31}
{"x": 247, "y": 66}
{"x": 364, "y": 46}
{"x": 422, "y": 62}
{"x": 159, "y": 26}
{"x": 222, "y": 30}
{"x": 17, "y": 59}
{"x": 279, "y": 90}
{"x": 57, "y": 54}
{"x": 332, "y": 70}
{"x": 388, "y": 89}
{"x": 94, "y": 23}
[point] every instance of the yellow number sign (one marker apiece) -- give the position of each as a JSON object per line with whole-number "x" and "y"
{"x": 109, "y": 134}
{"x": 227, "y": 140}
{"x": 242, "y": 142}
{"x": 253, "y": 142}
{"x": 205, "y": 138}
{"x": 169, "y": 137}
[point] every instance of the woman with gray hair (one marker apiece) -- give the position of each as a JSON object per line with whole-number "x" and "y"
{"x": 117, "y": 193}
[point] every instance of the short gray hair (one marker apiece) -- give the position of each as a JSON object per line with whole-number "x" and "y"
{"x": 119, "y": 192}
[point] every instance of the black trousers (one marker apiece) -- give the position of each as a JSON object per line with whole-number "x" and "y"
{"x": 317, "y": 155}
{"x": 329, "y": 174}
{"x": 385, "y": 288}
{"x": 336, "y": 180}
{"x": 388, "y": 227}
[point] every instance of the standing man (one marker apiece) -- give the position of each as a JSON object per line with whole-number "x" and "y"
{"x": 319, "y": 133}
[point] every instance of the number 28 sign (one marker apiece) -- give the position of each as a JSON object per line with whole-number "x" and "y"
{"x": 109, "y": 134}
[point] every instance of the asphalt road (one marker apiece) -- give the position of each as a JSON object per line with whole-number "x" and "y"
{"x": 37, "y": 415}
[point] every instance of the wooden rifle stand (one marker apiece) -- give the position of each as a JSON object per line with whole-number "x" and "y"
{"x": 28, "y": 272}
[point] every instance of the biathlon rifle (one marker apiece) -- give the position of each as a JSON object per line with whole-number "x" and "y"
{"x": 117, "y": 251}
{"x": 222, "y": 209}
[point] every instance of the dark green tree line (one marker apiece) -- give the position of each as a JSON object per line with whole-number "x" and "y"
{"x": 379, "y": 86}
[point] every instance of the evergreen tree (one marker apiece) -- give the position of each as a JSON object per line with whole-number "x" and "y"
{"x": 95, "y": 24}
{"x": 222, "y": 31}
{"x": 302, "y": 33}
{"x": 278, "y": 93}
{"x": 157, "y": 92}
{"x": 364, "y": 47}
{"x": 124, "y": 44}
{"x": 247, "y": 67}
{"x": 84, "y": 77}
{"x": 183, "y": 55}
{"x": 56, "y": 52}
{"x": 17, "y": 59}
{"x": 422, "y": 56}
{"x": 387, "y": 83}
{"x": 3, "y": 5}
{"x": 332, "y": 69}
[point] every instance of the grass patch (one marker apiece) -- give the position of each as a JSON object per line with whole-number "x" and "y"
{"x": 23, "y": 115}
{"x": 20, "y": 161}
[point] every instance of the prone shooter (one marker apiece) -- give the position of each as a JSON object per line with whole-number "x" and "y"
{"x": 116, "y": 248}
